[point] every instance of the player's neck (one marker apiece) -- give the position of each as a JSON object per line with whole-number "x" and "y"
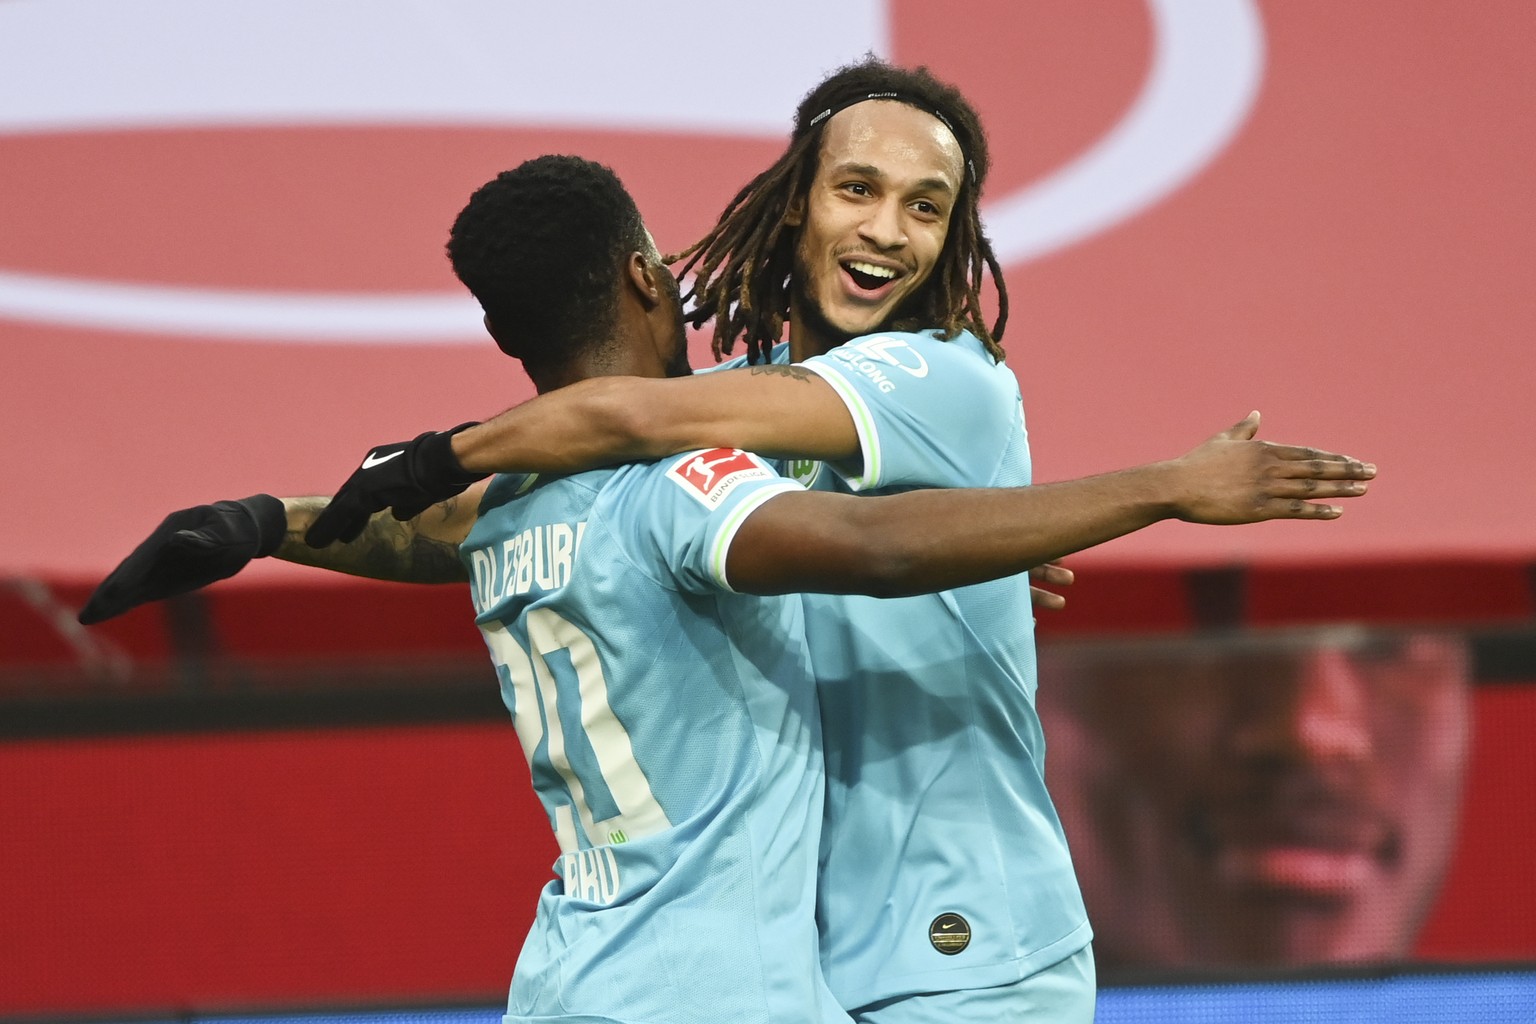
{"x": 555, "y": 379}
{"x": 809, "y": 334}
{"x": 616, "y": 360}
{"x": 802, "y": 346}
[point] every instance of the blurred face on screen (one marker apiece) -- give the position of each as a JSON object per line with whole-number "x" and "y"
{"x": 1266, "y": 800}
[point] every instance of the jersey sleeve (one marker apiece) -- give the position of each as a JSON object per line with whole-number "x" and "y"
{"x": 929, "y": 412}
{"x": 682, "y": 514}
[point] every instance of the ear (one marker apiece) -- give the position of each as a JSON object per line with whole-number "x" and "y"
{"x": 642, "y": 280}
{"x": 794, "y": 214}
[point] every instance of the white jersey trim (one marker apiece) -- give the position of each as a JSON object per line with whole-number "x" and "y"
{"x": 722, "y": 545}
{"x": 863, "y": 422}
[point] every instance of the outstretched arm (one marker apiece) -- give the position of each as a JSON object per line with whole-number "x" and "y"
{"x": 930, "y": 540}
{"x": 196, "y": 546}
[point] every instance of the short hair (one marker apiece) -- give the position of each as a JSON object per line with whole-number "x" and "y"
{"x": 742, "y": 267}
{"x": 541, "y": 247}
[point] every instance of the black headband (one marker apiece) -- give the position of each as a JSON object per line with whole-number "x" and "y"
{"x": 899, "y": 97}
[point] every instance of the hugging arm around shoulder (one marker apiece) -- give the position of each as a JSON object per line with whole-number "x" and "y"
{"x": 774, "y": 411}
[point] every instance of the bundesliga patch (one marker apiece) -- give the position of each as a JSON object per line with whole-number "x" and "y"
{"x": 711, "y": 476}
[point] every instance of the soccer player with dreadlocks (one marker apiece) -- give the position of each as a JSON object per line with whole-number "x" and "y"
{"x": 762, "y": 259}
{"x": 945, "y": 889}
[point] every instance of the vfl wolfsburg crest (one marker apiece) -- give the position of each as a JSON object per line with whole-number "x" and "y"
{"x": 802, "y": 471}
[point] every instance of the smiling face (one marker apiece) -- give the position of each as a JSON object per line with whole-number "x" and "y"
{"x": 874, "y": 221}
{"x": 1262, "y": 803}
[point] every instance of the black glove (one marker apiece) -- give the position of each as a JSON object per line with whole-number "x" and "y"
{"x": 409, "y": 477}
{"x": 190, "y": 549}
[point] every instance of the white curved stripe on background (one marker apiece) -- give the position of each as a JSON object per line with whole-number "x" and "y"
{"x": 1208, "y": 61}
{"x": 81, "y": 65}
{"x": 229, "y": 313}
{"x": 1204, "y": 74}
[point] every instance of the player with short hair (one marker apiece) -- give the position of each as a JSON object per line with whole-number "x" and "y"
{"x": 669, "y": 723}
{"x": 946, "y": 887}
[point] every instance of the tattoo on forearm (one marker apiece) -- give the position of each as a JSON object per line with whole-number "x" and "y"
{"x": 387, "y": 549}
{"x": 779, "y": 370}
{"x": 444, "y": 510}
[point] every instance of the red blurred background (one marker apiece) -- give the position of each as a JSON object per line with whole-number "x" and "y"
{"x": 183, "y": 826}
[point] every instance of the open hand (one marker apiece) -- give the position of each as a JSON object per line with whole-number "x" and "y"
{"x": 1235, "y": 478}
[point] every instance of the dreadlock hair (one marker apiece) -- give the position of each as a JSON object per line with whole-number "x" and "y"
{"x": 742, "y": 267}
{"x": 541, "y": 247}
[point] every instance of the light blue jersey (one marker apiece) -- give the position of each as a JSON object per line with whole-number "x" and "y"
{"x": 673, "y": 737}
{"x": 944, "y": 865}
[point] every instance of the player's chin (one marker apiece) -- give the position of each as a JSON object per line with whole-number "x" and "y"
{"x": 852, "y": 320}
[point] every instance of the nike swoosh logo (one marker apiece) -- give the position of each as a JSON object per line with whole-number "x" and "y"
{"x": 947, "y": 926}
{"x": 379, "y": 460}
